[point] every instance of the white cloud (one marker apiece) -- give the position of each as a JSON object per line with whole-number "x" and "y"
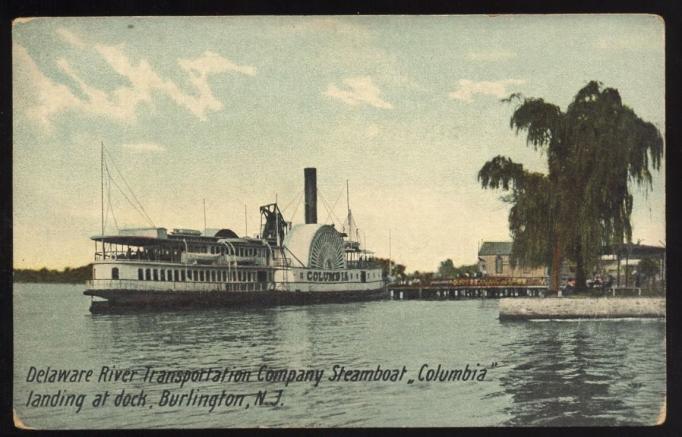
{"x": 360, "y": 90}
{"x": 144, "y": 147}
{"x": 37, "y": 94}
{"x": 50, "y": 98}
{"x": 70, "y": 37}
{"x": 499, "y": 55}
{"x": 467, "y": 89}
{"x": 212, "y": 63}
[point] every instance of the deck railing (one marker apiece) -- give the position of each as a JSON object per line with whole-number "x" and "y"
{"x": 132, "y": 284}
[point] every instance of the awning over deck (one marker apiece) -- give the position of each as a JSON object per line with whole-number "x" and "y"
{"x": 633, "y": 250}
{"x": 136, "y": 240}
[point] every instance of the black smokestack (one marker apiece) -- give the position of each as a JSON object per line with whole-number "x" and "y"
{"x": 310, "y": 195}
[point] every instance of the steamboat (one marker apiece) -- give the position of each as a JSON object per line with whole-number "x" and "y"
{"x": 147, "y": 268}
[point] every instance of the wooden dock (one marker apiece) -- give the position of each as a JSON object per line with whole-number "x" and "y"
{"x": 402, "y": 292}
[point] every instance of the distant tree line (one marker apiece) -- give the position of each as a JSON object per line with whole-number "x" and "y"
{"x": 447, "y": 269}
{"x": 398, "y": 269}
{"x": 67, "y": 276}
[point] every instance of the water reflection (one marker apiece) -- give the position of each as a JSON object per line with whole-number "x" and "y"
{"x": 576, "y": 373}
{"x": 550, "y": 373}
{"x": 291, "y": 335}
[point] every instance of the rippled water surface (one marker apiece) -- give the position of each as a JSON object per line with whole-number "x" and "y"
{"x": 547, "y": 373}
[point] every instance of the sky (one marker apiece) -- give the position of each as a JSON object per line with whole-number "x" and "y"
{"x": 230, "y": 110}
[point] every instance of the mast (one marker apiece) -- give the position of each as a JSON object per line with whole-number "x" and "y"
{"x": 204, "y": 216}
{"x": 246, "y": 223}
{"x": 348, "y": 207}
{"x": 389, "y": 251}
{"x": 276, "y": 220}
{"x": 101, "y": 159}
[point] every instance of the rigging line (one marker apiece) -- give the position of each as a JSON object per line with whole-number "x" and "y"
{"x": 138, "y": 207}
{"x": 105, "y": 217}
{"x": 111, "y": 207}
{"x": 326, "y": 204}
{"x": 110, "y": 179}
{"x": 292, "y": 201}
{"x": 129, "y": 201}
{"x": 293, "y": 214}
{"x": 129, "y": 189}
{"x": 329, "y": 209}
{"x": 335, "y": 202}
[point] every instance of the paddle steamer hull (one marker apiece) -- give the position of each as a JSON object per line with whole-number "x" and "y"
{"x": 134, "y": 300}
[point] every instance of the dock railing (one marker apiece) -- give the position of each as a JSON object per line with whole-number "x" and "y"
{"x": 492, "y": 281}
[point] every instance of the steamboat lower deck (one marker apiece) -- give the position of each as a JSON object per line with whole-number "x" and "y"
{"x": 123, "y": 300}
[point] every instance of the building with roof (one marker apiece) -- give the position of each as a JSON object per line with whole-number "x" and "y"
{"x": 621, "y": 261}
{"x": 494, "y": 260}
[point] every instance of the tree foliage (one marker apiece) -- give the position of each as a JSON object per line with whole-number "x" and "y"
{"x": 68, "y": 275}
{"x": 595, "y": 150}
{"x": 398, "y": 269}
{"x": 447, "y": 269}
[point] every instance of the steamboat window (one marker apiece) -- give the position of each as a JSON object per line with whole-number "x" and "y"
{"x": 114, "y": 273}
{"x": 213, "y": 276}
{"x": 177, "y": 275}
{"x": 212, "y": 250}
{"x": 201, "y": 275}
{"x": 163, "y": 275}
{"x": 156, "y": 275}
{"x": 148, "y": 274}
{"x": 224, "y": 276}
{"x": 140, "y": 274}
{"x": 169, "y": 275}
{"x": 234, "y": 276}
{"x": 222, "y": 250}
{"x": 182, "y": 275}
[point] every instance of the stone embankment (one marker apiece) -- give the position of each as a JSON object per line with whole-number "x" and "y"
{"x": 581, "y": 308}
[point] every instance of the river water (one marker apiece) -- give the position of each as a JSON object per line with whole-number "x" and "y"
{"x": 550, "y": 373}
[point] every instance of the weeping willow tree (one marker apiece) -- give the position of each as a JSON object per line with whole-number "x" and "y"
{"x": 596, "y": 150}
